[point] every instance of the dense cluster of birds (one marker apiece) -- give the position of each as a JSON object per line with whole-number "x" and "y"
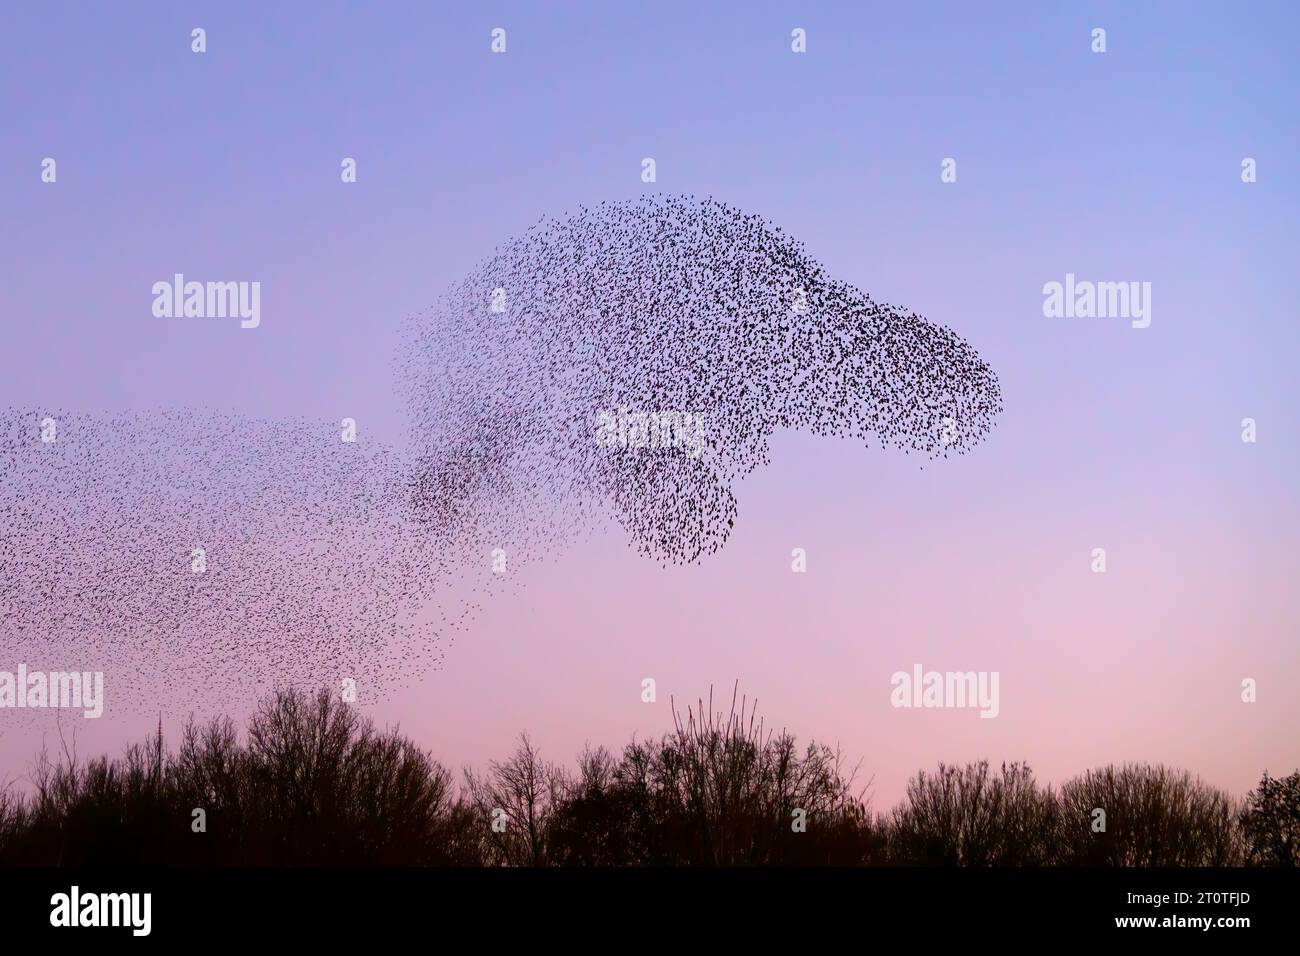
{"x": 216, "y": 554}
{"x": 211, "y": 553}
{"x": 662, "y": 306}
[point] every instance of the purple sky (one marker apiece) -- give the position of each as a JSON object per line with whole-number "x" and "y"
{"x": 1117, "y": 166}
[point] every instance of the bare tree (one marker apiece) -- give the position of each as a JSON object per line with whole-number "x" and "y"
{"x": 515, "y": 802}
{"x": 1271, "y": 822}
{"x": 1154, "y": 816}
{"x": 970, "y": 816}
{"x": 312, "y": 782}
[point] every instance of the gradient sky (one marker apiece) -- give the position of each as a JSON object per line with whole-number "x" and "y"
{"x": 1122, "y": 166}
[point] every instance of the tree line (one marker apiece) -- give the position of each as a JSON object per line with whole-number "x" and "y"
{"x": 313, "y": 782}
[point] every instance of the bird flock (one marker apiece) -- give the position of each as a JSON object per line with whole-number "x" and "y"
{"x": 627, "y": 363}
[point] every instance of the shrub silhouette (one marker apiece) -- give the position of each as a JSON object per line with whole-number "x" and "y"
{"x": 717, "y": 790}
{"x": 311, "y": 782}
{"x": 967, "y": 816}
{"x": 1155, "y": 816}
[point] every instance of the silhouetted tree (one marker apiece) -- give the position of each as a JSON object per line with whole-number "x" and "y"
{"x": 1271, "y": 822}
{"x": 969, "y": 816}
{"x": 520, "y": 796}
{"x": 1154, "y": 816}
{"x": 312, "y": 782}
{"x": 717, "y": 790}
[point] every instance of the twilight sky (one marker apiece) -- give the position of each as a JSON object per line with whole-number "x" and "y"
{"x": 1122, "y": 166}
